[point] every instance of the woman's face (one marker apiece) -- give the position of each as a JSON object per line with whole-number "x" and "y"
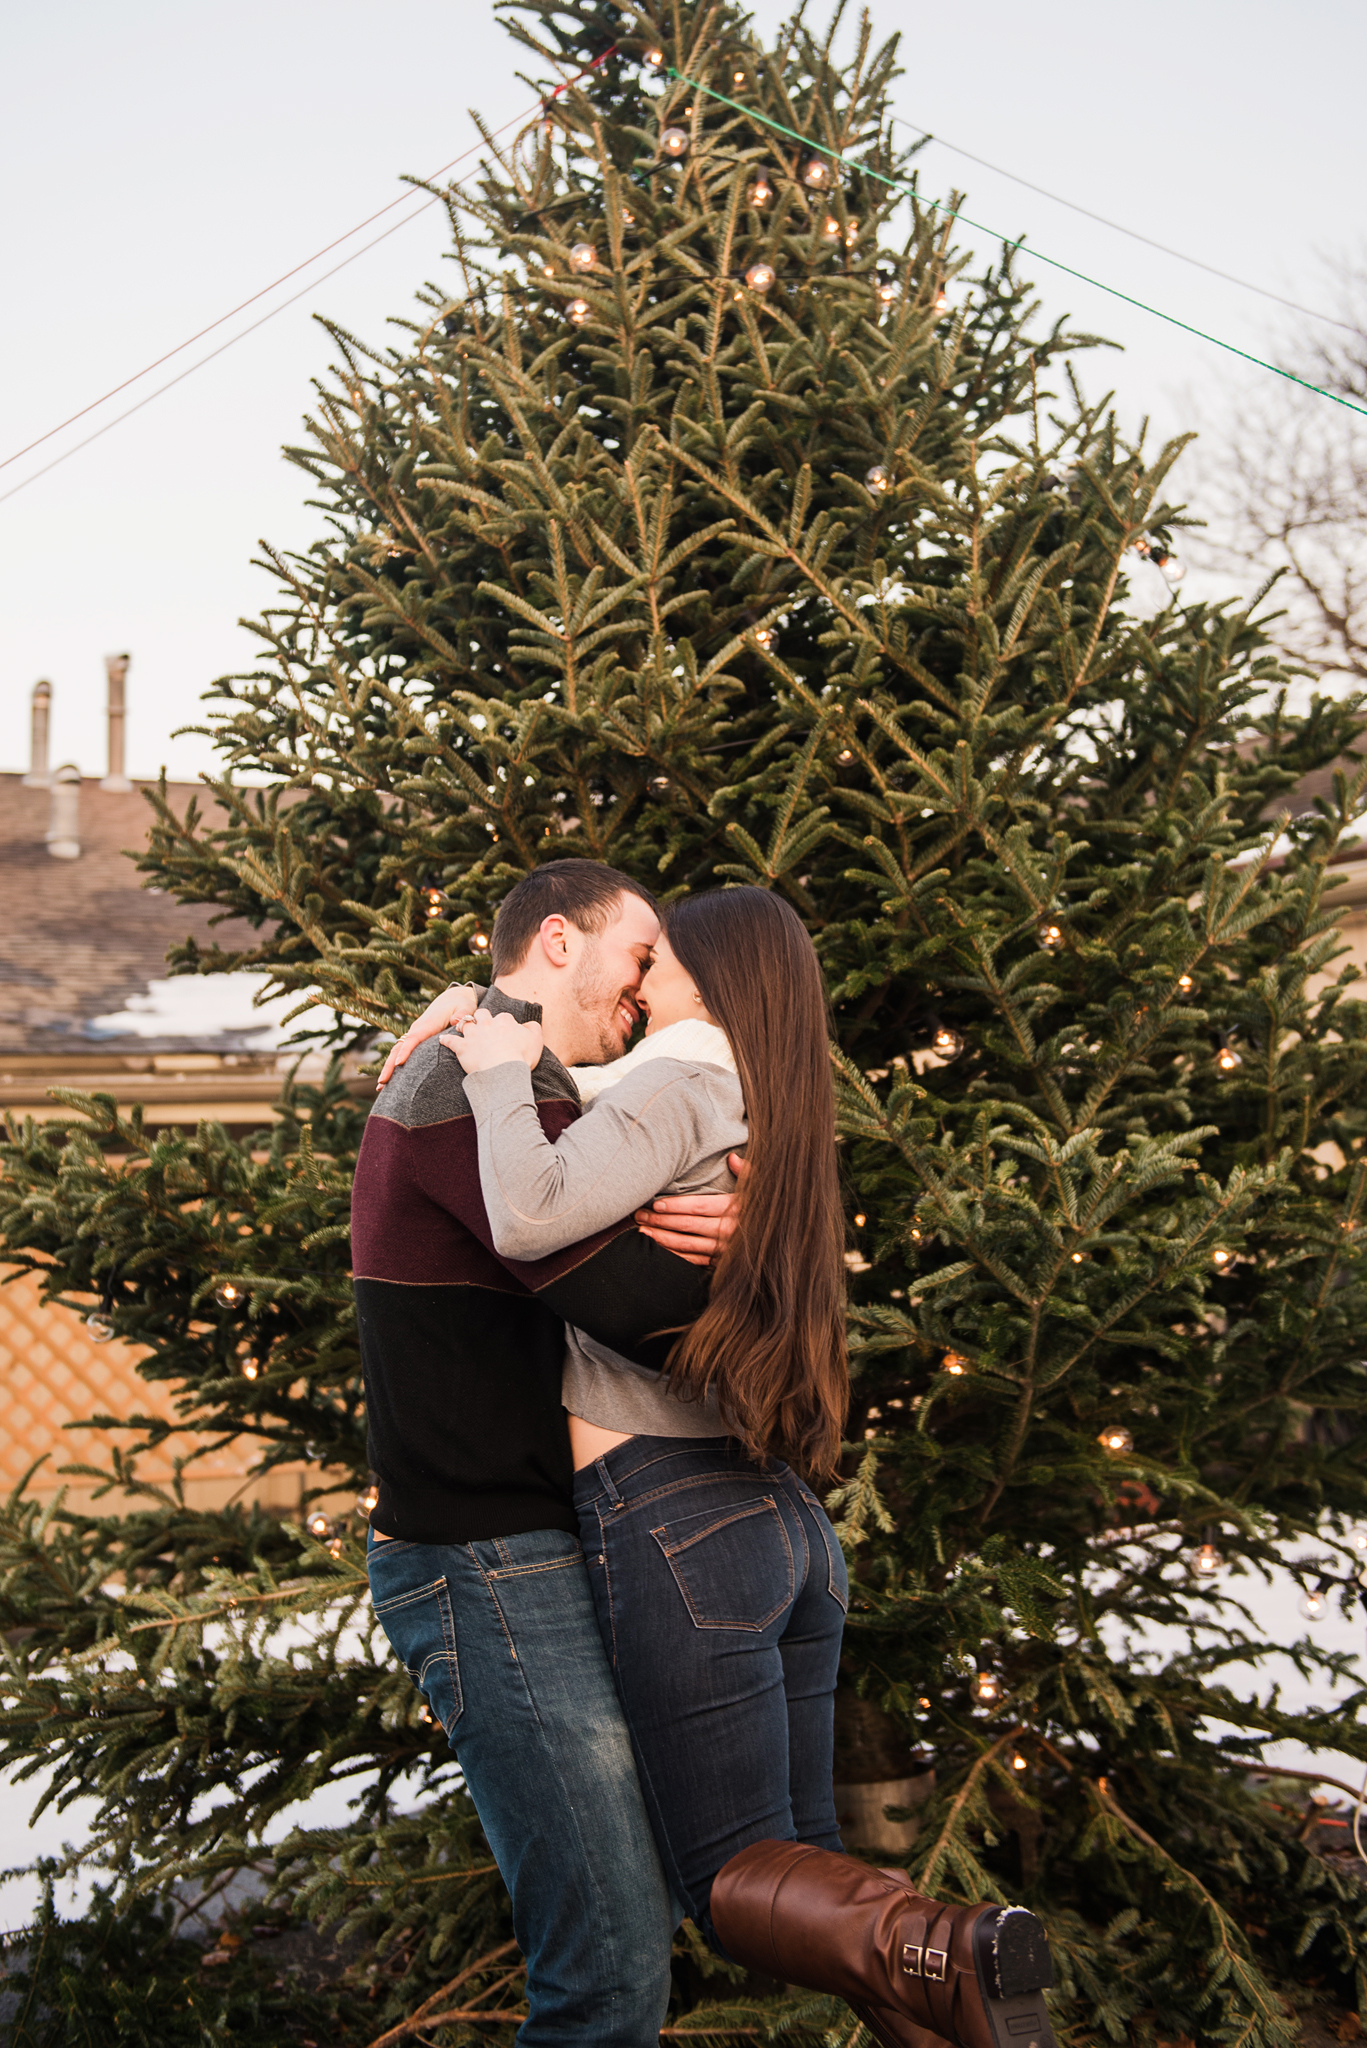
{"x": 668, "y": 992}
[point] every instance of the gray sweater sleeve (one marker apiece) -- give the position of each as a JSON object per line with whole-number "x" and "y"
{"x": 670, "y": 1120}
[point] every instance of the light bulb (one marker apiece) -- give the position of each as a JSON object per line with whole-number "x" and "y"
{"x": 816, "y": 172}
{"x": 547, "y": 129}
{"x": 917, "y": 1232}
{"x": 887, "y": 291}
{"x": 432, "y": 902}
{"x": 318, "y": 1524}
{"x": 99, "y": 1326}
{"x": 478, "y": 942}
{"x": 250, "y": 1369}
{"x": 1174, "y": 570}
{"x": 1207, "y": 1561}
{"x": 578, "y": 311}
{"x": 335, "y": 1547}
{"x": 674, "y": 142}
{"x": 947, "y": 1043}
{"x": 655, "y": 58}
{"x": 761, "y": 192}
{"x": 628, "y": 217}
{"x": 830, "y": 228}
{"x": 878, "y": 478}
{"x": 851, "y": 233}
{"x": 738, "y": 76}
{"x": 368, "y": 1499}
{"x": 955, "y": 1364}
{"x": 766, "y": 638}
{"x": 987, "y": 1687}
{"x": 582, "y": 256}
{"x": 1018, "y": 1762}
{"x": 1116, "y": 1439}
{"x": 229, "y": 1295}
{"x": 860, "y": 1221}
{"x": 923, "y": 1702}
{"x": 1358, "y": 1539}
{"x": 942, "y": 300}
{"x": 1226, "y": 1059}
{"x": 1185, "y": 984}
{"x": 761, "y": 276}
{"x": 1141, "y": 546}
{"x": 1050, "y": 937}
{"x": 1314, "y": 1606}
{"x": 1220, "y": 1258}
{"x": 845, "y": 756}
{"x": 659, "y": 785}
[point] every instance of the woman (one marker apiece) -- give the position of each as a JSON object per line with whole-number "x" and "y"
{"x": 719, "y": 1583}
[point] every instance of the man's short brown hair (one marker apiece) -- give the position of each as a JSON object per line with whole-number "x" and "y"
{"x": 584, "y": 892}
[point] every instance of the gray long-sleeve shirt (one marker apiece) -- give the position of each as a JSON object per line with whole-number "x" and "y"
{"x": 665, "y": 1128}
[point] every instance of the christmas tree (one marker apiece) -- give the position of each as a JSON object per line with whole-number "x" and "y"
{"x": 719, "y": 524}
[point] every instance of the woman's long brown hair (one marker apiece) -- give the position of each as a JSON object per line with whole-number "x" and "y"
{"x": 772, "y": 1337}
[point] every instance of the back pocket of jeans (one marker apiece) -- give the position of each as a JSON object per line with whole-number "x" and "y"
{"x": 734, "y": 1569}
{"x": 422, "y": 1632}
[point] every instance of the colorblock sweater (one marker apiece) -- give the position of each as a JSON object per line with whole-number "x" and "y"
{"x": 461, "y": 1346}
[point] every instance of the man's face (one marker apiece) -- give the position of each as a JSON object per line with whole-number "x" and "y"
{"x": 605, "y": 977}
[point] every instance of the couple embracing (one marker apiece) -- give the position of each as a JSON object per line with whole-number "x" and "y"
{"x": 600, "y": 1301}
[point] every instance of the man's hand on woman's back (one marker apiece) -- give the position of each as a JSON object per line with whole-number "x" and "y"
{"x": 694, "y": 1227}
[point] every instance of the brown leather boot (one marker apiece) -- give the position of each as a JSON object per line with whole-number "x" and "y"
{"x": 918, "y": 1973}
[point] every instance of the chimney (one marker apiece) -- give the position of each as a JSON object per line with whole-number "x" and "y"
{"x": 63, "y": 842}
{"x": 116, "y": 668}
{"x": 37, "y": 777}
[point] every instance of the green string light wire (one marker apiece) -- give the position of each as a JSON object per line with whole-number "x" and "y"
{"x": 909, "y": 192}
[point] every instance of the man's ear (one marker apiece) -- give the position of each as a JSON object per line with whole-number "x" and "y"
{"x": 554, "y": 937}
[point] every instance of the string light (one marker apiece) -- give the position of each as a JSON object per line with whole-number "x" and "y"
{"x": 942, "y": 300}
{"x": 478, "y": 942}
{"x": 830, "y": 228}
{"x": 1050, "y": 936}
{"x": 628, "y": 217}
{"x": 845, "y": 756}
{"x": 1221, "y": 1257}
{"x": 250, "y": 1369}
{"x": 659, "y": 785}
{"x": 1313, "y": 1604}
{"x": 1207, "y": 1561}
{"x": 761, "y": 277}
{"x": 766, "y": 638}
{"x": 368, "y": 1499}
{"x": 738, "y": 76}
{"x": 655, "y": 59}
{"x": 1226, "y": 1059}
{"x": 1185, "y": 984}
{"x": 335, "y": 1547}
{"x": 761, "y": 192}
{"x": 887, "y": 291}
{"x": 1168, "y": 563}
{"x": 955, "y": 1364}
{"x": 860, "y": 1221}
{"x": 100, "y": 1326}
{"x": 987, "y": 1688}
{"x": 923, "y": 1702}
{"x": 578, "y": 311}
{"x": 318, "y": 1524}
{"x": 426, "y": 1716}
{"x": 1018, "y": 1762}
{"x": 878, "y": 478}
{"x": 817, "y": 173}
{"x": 433, "y": 903}
{"x": 947, "y": 1043}
{"x": 582, "y": 256}
{"x": 1116, "y": 1439}
{"x": 229, "y": 1295}
{"x": 674, "y": 142}
{"x": 851, "y": 233}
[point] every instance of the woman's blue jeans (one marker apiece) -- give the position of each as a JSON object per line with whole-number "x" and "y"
{"x": 721, "y": 1593}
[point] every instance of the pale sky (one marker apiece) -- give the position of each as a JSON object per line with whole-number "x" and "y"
{"x": 162, "y": 162}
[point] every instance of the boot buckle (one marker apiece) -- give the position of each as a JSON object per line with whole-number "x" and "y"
{"x": 930, "y": 1963}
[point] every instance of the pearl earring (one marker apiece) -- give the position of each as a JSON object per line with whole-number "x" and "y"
{"x": 696, "y": 997}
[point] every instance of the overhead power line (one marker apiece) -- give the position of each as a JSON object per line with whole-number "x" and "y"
{"x": 1037, "y": 255}
{"x": 1118, "y": 227}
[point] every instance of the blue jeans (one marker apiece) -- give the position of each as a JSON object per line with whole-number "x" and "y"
{"x": 721, "y": 1593}
{"x": 502, "y": 1639}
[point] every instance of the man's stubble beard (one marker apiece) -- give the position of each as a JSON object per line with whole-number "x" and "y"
{"x": 595, "y": 1000}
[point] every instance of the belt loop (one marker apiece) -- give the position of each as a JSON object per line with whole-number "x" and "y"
{"x": 601, "y": 1468}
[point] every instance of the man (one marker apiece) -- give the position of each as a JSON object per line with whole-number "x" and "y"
{"x": 476, "y": 1572}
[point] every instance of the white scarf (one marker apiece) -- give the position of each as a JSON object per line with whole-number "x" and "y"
{"x": 692, "y": 1038}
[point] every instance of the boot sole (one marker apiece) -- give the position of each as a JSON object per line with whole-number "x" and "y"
{"x": 1011, "y": 1952}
